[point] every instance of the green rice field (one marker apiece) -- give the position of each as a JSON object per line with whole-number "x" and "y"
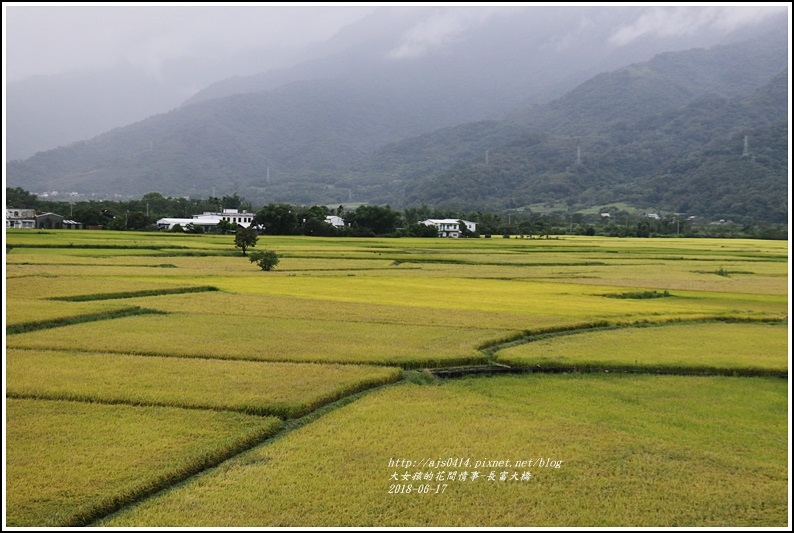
{"x": 158, "y": 379}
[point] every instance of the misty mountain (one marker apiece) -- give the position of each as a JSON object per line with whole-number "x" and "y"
{"x": 471, "y": 63}
{"x": 619, "y": 104}
{"x": 491, "y": 60}
{"x": 48, "y": 111}
{"x": 305, "y": 131}
{"x": 45, "y": 112}
{"x": 690, "y": 159}
{"x": 672, "y": 120}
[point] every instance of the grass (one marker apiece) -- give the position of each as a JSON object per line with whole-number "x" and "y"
{"x": 132, "y": 294}
{"x": 644, "y": 295}
{"x": 711, "y": 347}
{"x": 68, "y": 463}
{"x": 652, "y": 451}
{"x": 36, "y": 325}
{"x": 279, "y": 389}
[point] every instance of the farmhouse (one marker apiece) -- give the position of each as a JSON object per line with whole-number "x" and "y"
{"x": 20, "y": 218}
{"x": 335, "y": 221}
{"x": 450, "y": 227}
{"x": 209, "y": 220}
{"x": 28, "y": 219}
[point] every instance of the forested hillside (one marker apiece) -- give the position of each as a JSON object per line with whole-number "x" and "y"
{"x": 621, "y": 137}
{"x": 301, "y": 132}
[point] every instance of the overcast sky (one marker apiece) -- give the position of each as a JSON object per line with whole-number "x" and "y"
{"x": 50, "y": 39}
{"x": 56, "y": 38}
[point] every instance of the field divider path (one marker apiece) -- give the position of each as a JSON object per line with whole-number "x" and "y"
{"x": 496, "y": 367}
{"x": 586, "y": 368}
{"x": 210, "y": 460}
{"x": 27, "y": 327}
{"x": 84, "y": 398}
{"x": 287, "y": 427}
{"x": 530, "y": 336}
{"x": 133, "y": 294}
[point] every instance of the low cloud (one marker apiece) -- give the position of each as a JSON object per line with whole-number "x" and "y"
{"x": 440, "y": 28}
{"x": 682, "y": 21}
{"x": 62, "y": 38}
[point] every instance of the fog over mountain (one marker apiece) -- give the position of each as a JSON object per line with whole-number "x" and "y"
{"x": 73, "y": 72}
{"x": 466, "y": 108}
{"x": 474, "y": 61}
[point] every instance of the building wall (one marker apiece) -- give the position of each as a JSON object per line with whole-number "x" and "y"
{"x": 449, "y": 227}
{"x": 49, "y": 221}
{"x": 21, "y": 223}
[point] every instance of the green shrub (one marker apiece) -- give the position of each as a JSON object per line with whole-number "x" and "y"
{"x": 266, "y": 259}
{"x": 640, "y": 295}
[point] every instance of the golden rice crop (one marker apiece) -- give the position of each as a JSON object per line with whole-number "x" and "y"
{"x": 118, "y": 239}
{"x": 70, "y": 252}
{"x": 528, "y": 298}
{"x": 267, "y": 339}
{"x": 69, "y": 462}
{"x": 681, "y": 347}
{"x": 56, "y": 263}
{"x": 222, "y": 304}
{"x": 282, "y": 389}
{"x": 18, "y": 259}
{"x": 633, "y": 451}
{"x": 645, "y": 451}
{"x": 48, "y": 286}
{"x": 22, "y": 311}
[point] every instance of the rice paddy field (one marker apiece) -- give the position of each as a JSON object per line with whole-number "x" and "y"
{"x": 163, "y": 380}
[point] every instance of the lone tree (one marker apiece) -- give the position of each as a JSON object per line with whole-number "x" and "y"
{"x": 245, "y": 238}
{"x": 267, "y": 259}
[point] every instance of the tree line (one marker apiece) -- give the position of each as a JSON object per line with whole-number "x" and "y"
{"x": 373, "y": 220}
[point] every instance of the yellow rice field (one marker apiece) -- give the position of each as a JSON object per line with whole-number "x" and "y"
{"x": 133, "y": 405}
{"x": 281, "y": 389}
{"x": 69, "y": 461}
{"x": 757, "y": 347}
{"x": 631, "y": 451}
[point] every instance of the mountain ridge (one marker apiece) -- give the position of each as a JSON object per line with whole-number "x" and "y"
{"x": 331, "y": 141}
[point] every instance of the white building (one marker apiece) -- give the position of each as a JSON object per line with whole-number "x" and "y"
{"x": 20, "y": 218}
{"x": 450, "y": 227}
{"x": 335, "y": 221}
{"x": 209, "y": 220}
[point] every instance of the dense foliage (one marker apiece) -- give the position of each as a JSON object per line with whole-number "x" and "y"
{"x": 372, "y": 220}
{"x": 714, "y": 157}
{"x": 266, "y": 259}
